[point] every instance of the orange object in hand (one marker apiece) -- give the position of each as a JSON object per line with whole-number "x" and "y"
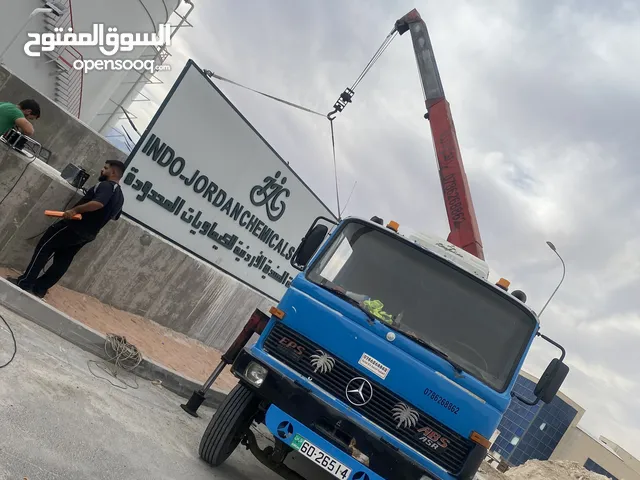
{"x": 55, "y": 213}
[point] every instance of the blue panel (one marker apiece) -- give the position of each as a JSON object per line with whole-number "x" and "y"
{"x": 524, "y": 421}
{"x": 538, "y": 456}
{"x": 546, "y": 451}
{"x": 594, "y": 467}
{"x": 518, "y": 458}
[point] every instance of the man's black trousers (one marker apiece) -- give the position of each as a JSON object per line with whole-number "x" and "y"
{"x": 61, "y": 242}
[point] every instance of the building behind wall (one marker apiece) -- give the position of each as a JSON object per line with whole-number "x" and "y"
{"x": 551, "y": 432}
{"x": 598, "y": 455}
{"x": 94, "y": 97}
{"x": 533, "y": 432}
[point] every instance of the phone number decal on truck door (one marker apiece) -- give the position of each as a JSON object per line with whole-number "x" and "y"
{"x": 440, "y": 400}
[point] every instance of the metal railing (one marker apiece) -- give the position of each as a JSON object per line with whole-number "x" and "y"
{"x": 69, "y": 80}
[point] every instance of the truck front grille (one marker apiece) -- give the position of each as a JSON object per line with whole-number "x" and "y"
{"x": 422, "y": 432}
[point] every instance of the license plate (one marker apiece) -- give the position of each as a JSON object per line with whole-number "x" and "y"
{"x": 317, "y": 456}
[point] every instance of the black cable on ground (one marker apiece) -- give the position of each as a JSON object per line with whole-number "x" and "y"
{"x": 15, "y": 344}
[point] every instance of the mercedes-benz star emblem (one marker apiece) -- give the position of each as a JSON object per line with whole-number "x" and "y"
{"x": 359, "y": 391}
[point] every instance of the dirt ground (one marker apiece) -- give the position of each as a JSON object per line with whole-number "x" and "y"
{"x": 176, "y": 351}
{"x": 538, "y": 470}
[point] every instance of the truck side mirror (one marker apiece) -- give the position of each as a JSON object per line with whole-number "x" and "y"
{"x": 551, "y": 380}
{"x": 549, "y": 384}
{"x": 309, "y": 246}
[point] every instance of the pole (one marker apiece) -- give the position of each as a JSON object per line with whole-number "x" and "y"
{"x": 564, "y": 271}
{"x": 256, "y": 324}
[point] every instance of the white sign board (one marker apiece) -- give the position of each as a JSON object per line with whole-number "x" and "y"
{"x": 204, "y": 179}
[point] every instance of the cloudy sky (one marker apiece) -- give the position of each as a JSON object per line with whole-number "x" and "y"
{"x": 545, "y": 97}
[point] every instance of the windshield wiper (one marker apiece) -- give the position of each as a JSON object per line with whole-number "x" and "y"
{"x": 433, "y": 349}
{"x": 352, "y": 301}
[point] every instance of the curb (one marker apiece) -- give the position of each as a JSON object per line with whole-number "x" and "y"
{"x": 92, "y": 341}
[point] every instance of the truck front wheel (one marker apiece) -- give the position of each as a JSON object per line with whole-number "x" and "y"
{"x": 228, "y": 425}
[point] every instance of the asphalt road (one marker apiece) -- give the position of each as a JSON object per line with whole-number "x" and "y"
{"x": 58, "y": 421}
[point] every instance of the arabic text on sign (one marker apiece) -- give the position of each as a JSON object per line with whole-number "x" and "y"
{"x": 206, "y": 228}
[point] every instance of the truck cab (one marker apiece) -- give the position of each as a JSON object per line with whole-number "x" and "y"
{"x": 388, "y": 357}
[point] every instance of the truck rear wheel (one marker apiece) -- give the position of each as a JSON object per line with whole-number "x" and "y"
{"x": 228, "y": 425}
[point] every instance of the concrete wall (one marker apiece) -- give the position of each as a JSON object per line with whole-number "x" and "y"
{"x": 69, "y": 140}
{"x": 126, "y": 267}
{"x": 578, "y": 446}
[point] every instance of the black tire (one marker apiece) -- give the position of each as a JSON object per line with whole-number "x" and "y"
{"x": 228, "y": 425}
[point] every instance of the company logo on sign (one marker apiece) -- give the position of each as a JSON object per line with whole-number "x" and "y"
{"x": 269, "y": 194}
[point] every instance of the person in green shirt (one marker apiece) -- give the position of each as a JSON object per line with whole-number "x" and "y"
{"x": 20, "y": 116}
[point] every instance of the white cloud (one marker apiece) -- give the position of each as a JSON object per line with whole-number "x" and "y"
{"x": 544, "y": 97}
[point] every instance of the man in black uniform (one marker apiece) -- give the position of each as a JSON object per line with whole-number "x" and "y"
{"x": 64, "y": 239}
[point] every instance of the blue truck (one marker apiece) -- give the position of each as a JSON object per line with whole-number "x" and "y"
{"x": 389, "y": 356}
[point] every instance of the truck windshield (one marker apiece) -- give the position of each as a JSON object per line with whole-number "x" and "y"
{"x": 475, "y": 327}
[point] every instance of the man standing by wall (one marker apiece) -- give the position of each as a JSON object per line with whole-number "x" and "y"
{"x": 21, "y": 116}
{"x": 64, "y": 239}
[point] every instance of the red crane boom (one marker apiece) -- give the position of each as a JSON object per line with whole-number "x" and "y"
{"x": 455, "y": 188}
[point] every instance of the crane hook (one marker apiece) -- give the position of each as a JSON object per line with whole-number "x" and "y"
{"x": 344, "y": 98}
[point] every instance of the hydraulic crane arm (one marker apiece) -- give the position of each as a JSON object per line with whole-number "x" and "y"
{"x": 455, "y": 188}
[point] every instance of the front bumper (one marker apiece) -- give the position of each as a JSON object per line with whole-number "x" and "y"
{"x": 285, "y": 428}
{"x": 335, "y": 431}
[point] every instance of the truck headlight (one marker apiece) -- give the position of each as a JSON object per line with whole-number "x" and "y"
{"x": 255, "y": 374}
